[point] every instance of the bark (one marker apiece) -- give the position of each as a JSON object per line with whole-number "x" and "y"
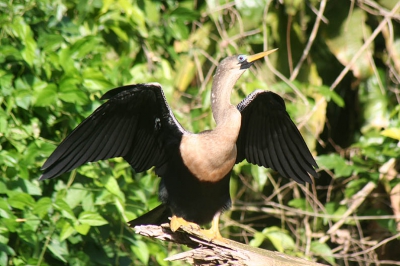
{"x": 206, "y": 253}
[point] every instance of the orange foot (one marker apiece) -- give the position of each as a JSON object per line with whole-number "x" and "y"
{"x": 177, "y": 222}
{"x": 211, "y": 234}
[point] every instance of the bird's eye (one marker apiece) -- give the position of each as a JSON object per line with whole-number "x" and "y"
{"x": 241, "y": 58}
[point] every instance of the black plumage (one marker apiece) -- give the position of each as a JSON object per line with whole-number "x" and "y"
{"x": 137, "y": 124}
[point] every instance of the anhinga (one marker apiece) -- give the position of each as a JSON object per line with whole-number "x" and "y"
{"x": 137, "y": 124}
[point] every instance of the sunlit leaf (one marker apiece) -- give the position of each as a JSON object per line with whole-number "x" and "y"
{"x": 111, "y": 185}
{"x": 141, "y": 251}
{"x": 82, "y": 229}
{"x": 42, "y": 206}
{"x": 337, "y": 163}
{"x": 257, "y": 240}
{"x": 47, "y": 96}
{"x": 66, "y": 231}
{"x": 62, "y": 206}
{"x": 91, "y": 218}
{"x": 279, "y": 238}
{"x": 393, "y": 133}
{"x": 346, "y": 39}
{"x": 21, "y": 200}
{"x": 59, "y": 249}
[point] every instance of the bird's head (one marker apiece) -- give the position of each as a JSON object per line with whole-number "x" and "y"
{"x": 242, "y": 62}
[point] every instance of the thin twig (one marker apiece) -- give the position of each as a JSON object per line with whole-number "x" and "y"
{"x": 364, "y": 46}
{"x": 310, "y": 40}
{"x": 373, "y": 247}
{"x": 358, "y": 198}
{"x": 288, "y": 211}
{"x": 271, "y": 67}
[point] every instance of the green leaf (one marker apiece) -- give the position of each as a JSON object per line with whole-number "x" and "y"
{"x": 91, "y": 218}
{"x": 42, "y": 206}
{"x": 7, "y": 250}
{"x": 5, "y": 210}
{"x": 59, "y": 249}
{"x": 27, "y": 186}
{"x": 62, "y": 206}
{"x": 337, "y": 163}
{"x": 66, "y": 231}
{"x": 23, "y": 98}
{"x": 6, "y": 80}
{"x": 46, "y": 96}
{"x": 346, "y": 39}
{"x": 260, "y": 176}
{"x": 83, "y": 46}
{"x": 93, "y": 79}
{"x": 20, "y": 200}
{"x": 323, "y": 251}
{"x": 50, "y": 42}
{"x": 138, "y": 17}
{"x": 111, "y": 185}
{"x": 24, "y": 33}
{"x": 9, "y": 51}
{"x": 179, "y": 30}
{"x": 141, "y": 251}
{"x": 76, "y": 194}
{"x": 120, "y": 33}
{"x": 279, "y": 238}
{"x": 82, "y": 229}
{"x": 393, "y": 133}
{"x": 375, "y": 102}
{"x": 330, "y": 94}
{"x": 355, "y": 186}
{"x": 73, "y": 96}
{"x": 257, "y": 240}
{"x": 184, "y": 14}
{"x": 301, "y": 204}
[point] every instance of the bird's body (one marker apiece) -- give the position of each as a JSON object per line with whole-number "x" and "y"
{"x": 137, "y": 124}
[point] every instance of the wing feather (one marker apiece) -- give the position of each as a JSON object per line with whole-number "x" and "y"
{"x": 285, "y": 155}
{"x": 134, "y": 124}
{"x": 268, "y": 137}
{"x": 275, "y": 150}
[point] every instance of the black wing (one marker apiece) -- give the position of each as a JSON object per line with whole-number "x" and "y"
{"x": 132, "y": 124}
{"x": 269, "y": 138}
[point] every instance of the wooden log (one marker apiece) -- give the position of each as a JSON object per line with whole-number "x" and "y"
{"x": 208, "y": 253}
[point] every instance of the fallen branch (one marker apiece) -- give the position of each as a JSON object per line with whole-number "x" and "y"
{"x": 209, "y": 253}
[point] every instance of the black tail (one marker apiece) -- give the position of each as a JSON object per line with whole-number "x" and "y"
{"x": 156, "y": 216}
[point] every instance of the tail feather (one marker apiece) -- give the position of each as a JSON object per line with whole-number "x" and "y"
{"x": 156, "y": 216}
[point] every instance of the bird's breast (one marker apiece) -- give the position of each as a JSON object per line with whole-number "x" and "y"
{"x": 209, "y": 157}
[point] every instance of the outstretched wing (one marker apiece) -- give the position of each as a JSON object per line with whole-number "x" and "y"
{"x": 269, "y": 138}
{"x": 132, "y": 124}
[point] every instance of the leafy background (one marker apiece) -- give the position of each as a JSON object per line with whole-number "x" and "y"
{"x": 338, "y": 69}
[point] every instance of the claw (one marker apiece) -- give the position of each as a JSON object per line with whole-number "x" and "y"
{"x": 212, "y": 234}
{"x": 177, "y": 222}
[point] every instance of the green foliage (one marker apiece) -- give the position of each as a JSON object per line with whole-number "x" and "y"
{"x": 58, "y": 57}
{"x": 279, "y": 238}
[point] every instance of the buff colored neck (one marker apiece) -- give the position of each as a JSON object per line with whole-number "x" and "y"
{"x": 221, "y": 106}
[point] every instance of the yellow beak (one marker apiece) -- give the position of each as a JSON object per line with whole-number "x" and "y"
{"x": 252, "y": 58}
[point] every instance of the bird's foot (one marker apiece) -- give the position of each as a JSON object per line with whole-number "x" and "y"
{"x": 177, "y": 222}
{"x": 213, "y": 235}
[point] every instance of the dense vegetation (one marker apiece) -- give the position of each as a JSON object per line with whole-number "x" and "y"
{"x": 339, "y": 73}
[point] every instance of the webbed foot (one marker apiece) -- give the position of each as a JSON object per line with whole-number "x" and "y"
{"x": 211, "y": 234}
{"x": 177, "y": 222}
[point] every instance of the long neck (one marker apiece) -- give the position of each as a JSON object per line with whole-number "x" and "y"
{"x": 221, "y": 94}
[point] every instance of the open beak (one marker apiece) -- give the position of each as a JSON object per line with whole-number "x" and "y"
{"x": 252, "y": 58}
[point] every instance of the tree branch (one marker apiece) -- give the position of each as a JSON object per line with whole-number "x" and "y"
{"x": 207, "y": 253}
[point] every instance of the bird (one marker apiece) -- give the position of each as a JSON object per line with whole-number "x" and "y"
{"x": 136, "y": 123}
